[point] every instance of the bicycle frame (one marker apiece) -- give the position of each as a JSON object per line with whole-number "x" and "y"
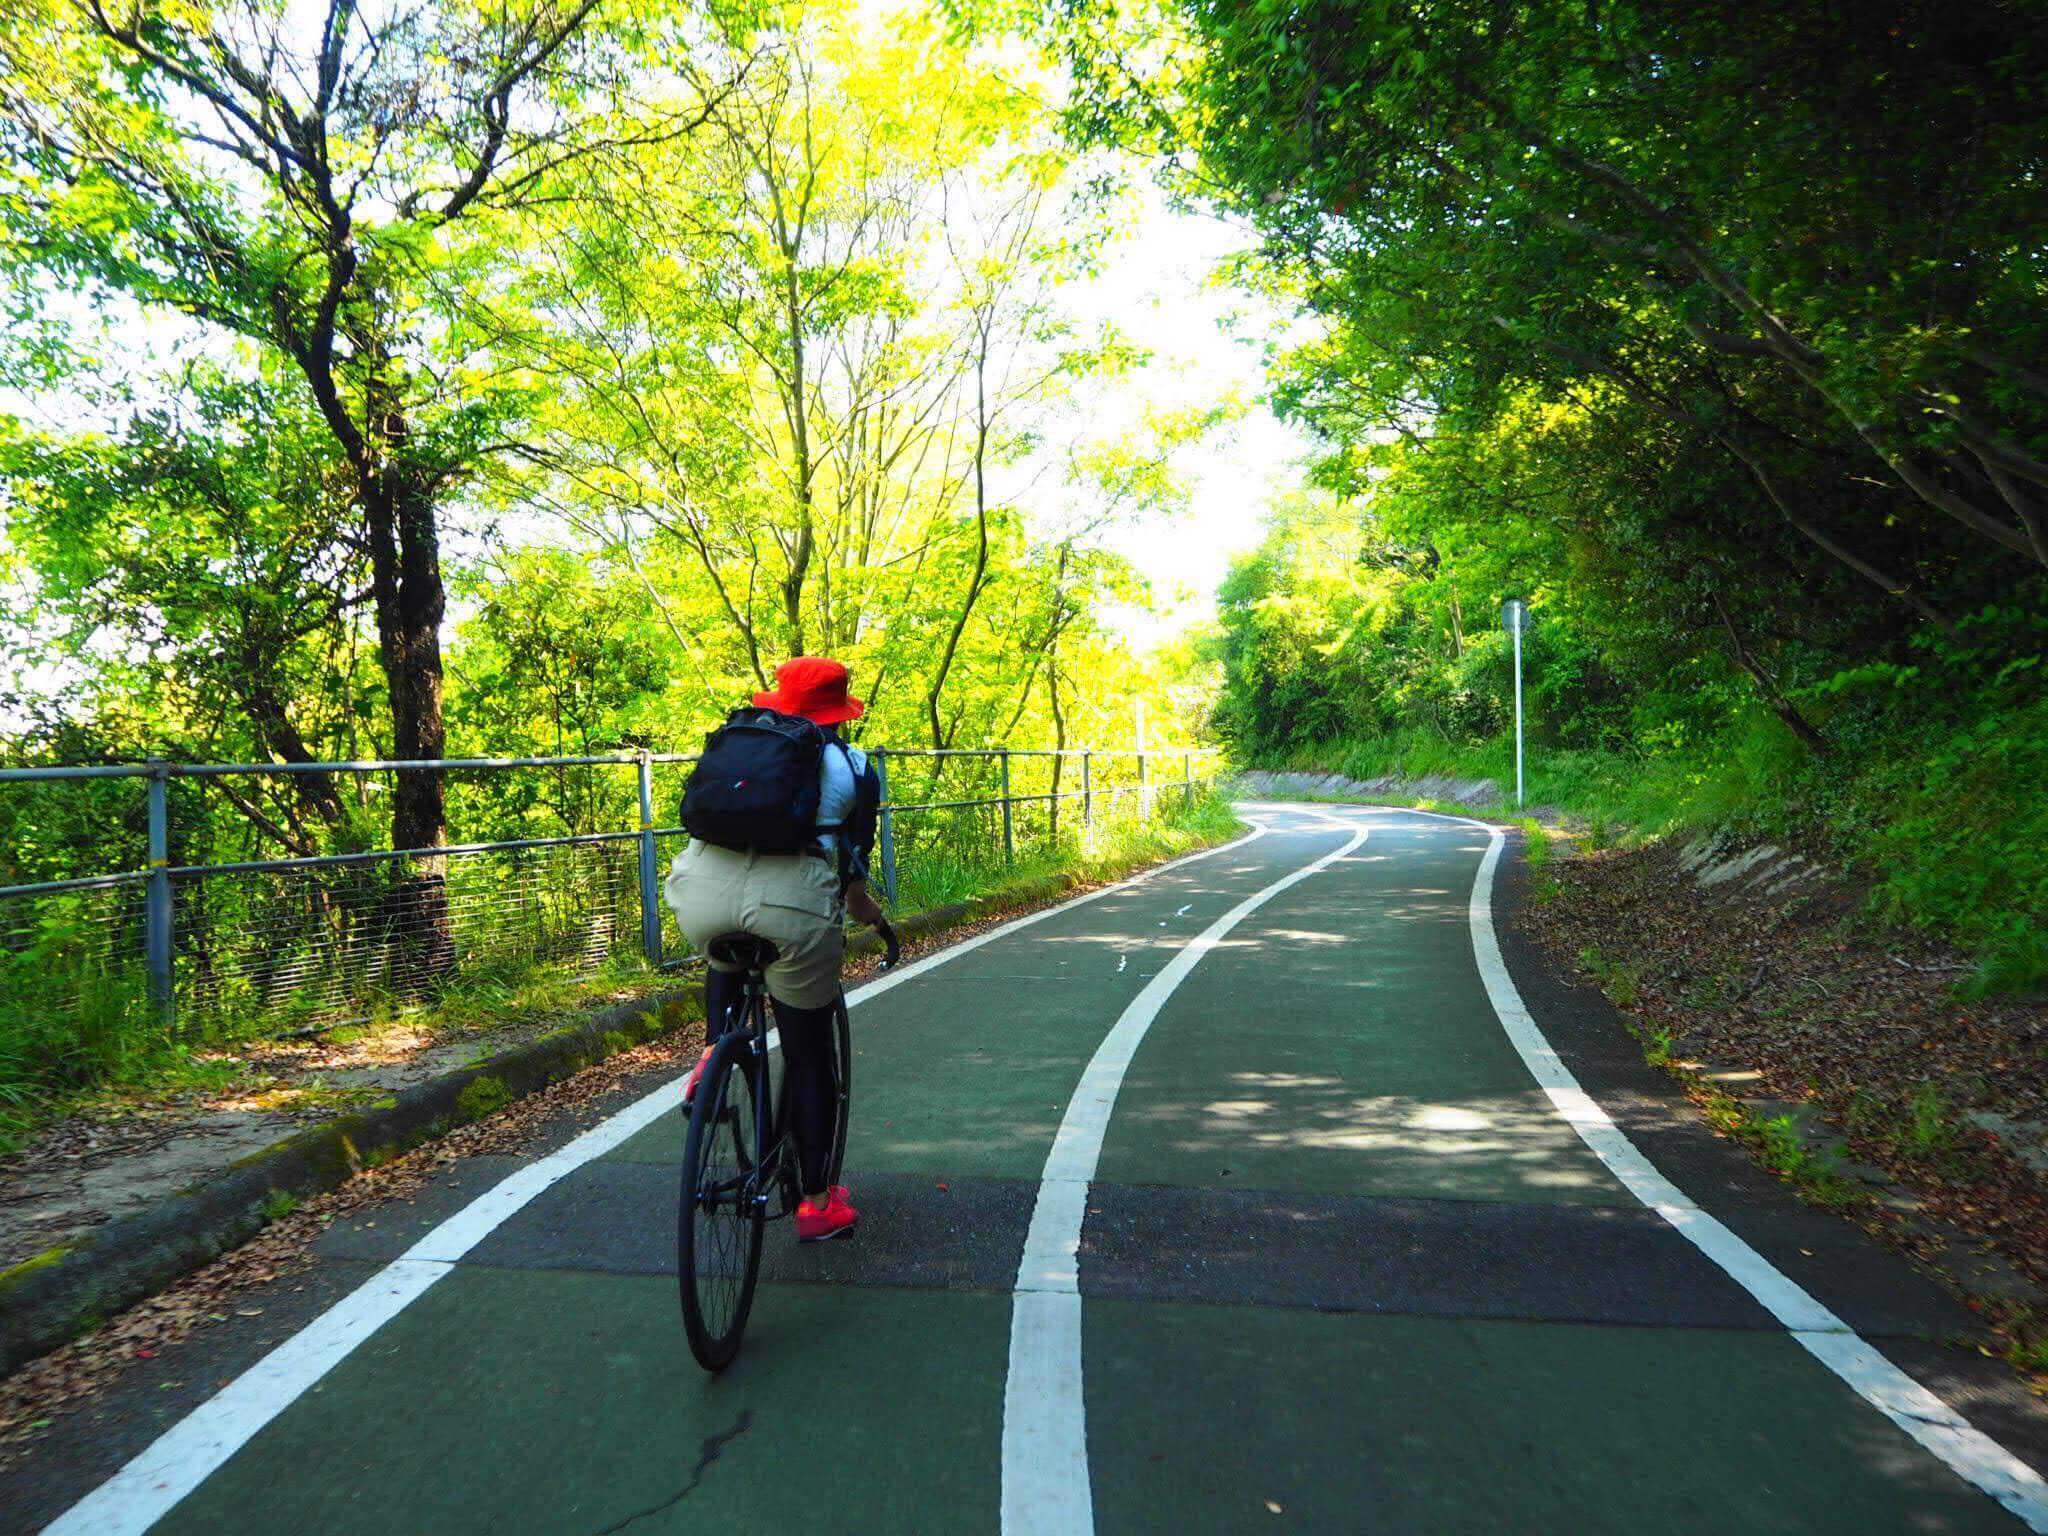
{"x": 771, "y": 1130}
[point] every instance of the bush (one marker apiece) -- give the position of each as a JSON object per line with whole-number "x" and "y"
{"x": 1932, "y": 787}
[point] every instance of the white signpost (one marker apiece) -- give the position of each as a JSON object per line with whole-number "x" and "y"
{"x": 1514, "y": 617}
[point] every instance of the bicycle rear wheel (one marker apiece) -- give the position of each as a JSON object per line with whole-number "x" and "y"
{"x": 718, "y": 1236}
{"x": 842, "y": 1080}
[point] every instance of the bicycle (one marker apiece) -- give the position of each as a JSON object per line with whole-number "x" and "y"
{"x": 738, "y": 1155}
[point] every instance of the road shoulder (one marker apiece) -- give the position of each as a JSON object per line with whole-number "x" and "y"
{"x": 1870, "y": 1287}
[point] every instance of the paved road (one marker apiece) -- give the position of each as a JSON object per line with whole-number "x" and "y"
{"x": 1223, "y": 1201}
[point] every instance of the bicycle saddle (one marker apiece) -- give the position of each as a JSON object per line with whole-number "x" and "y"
{"x": 748, "y": 951}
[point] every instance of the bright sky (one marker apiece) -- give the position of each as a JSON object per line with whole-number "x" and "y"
{"x": 1207, "y": 342}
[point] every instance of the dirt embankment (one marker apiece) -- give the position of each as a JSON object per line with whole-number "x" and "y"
{"x": 1846, "y": 1054}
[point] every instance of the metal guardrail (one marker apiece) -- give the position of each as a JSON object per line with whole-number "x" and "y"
{"x": 314, "y": 933}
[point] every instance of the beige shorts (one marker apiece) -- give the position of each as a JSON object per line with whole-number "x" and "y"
{"x": 791, "y": 900}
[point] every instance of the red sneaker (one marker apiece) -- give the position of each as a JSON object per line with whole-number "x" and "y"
{"x": 817, "y": 1224}
{"x": 696, "y": 1072}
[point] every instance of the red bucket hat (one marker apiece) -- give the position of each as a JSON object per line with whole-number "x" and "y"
{"x": 814, "y": 687}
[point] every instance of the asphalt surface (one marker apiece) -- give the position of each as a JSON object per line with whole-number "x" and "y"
{"x": 1343, "y": 1268}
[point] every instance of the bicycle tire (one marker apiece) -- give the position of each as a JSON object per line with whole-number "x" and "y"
{"x": 842, "y": 1078}
{"x": 718, "y": 1244}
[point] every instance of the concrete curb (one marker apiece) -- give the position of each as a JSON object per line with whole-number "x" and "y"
{"x": 57, "y": 1295}
{"x": 67, "y": 1291}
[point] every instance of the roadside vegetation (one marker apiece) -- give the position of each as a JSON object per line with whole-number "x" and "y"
{"x": 1727, "y": 370}
{"x": 741, "y": 333}
{"x": 1928, "y": 791}
{"x": 48, "y": 1075}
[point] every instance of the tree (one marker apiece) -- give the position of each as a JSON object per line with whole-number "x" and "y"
{"x": 334, "y": 198}
{"x": 205, "y": 550}
{"x": 794, "y": 368}
{"x": 1721, "y": 303}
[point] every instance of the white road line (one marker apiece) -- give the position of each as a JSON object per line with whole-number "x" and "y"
{"x": 187, "y": 1453}
{"x": 1045, "y": 1431}
{"x": 1967, "y": 1451}
{"x": 194, "y": 1448}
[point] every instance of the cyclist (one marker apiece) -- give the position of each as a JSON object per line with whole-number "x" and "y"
{"x": 797, "y": 901}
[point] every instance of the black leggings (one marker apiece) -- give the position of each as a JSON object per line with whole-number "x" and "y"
{"x": 807, "y": 1069}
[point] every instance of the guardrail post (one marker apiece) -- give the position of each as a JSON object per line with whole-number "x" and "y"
{"x": 1144, "y": 789}
{"x": 1009, "y": 837}
{"x": 650, "y": 895}
{"x": 888, "y": 828}
{"x": 158, "y": 947}
{"x": 1087, "y": 788}
{"x": 1187, "y": 779}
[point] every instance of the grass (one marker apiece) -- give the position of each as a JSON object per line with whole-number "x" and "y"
{"x": 1536, "y": 852}
{"x": 1775, "y": 1140}
{"x": 1925, "y": 1129}
{"x": 938, "y": 877}
{"x": 1629, "y": 798}
{"x": 1815, "y": 1173}
{"x": 1659, "y": 1045}
{"x": 1931, "y": 792}
{"x": 1621, "y": 980}
{"x": 2026, "y": 1332}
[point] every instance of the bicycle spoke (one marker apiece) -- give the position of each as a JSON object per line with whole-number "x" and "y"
{"x": 723, "y": 1211}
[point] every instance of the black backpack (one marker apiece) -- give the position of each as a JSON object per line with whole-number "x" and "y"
{"x": 756, "y": 786}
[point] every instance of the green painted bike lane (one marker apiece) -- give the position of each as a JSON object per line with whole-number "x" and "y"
{"x": 544, "y": 1384}
{"x": 1346, "y": 1270}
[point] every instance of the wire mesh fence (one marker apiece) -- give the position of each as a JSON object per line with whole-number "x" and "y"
{"x": 230, "y": 928}
{"x": 75, "y": 953}
{"x": 332, "y": 940}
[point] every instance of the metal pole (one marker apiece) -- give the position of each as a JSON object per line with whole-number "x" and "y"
{"x": 650, "y": 898}
{"x": 888, "y": 829}
{"x": 1144, "y": 790}
{"x": 157, "y": 912}
{"x": 1087, "y": 789}
{"x": 1187, "y": 779}
{"x": 1009, "y": 837}
{"x": 1518, "y": 717}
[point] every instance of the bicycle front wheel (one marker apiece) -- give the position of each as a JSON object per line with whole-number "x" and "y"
{"x": 718, "y": 1237}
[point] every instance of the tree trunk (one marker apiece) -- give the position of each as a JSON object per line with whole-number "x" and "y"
{"x": 312, "y": 795}
{"x": 1767, "y": 685}
{"x": 1059, "y": 737}
{"x": 1893, "y": 585}
{"x": 800, "y": 436}
{"x": 940, "y": 737}
{"x": 405, "y": 565}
